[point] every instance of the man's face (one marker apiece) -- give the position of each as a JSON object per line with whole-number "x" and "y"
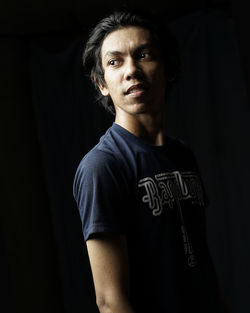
{"x": 133, "y": 71}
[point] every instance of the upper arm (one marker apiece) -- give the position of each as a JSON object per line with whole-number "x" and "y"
{"x": 110, "y": 268}
{"x": 102, "y": 193}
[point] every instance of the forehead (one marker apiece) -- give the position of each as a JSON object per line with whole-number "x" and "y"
{"x": 125, "y": 39}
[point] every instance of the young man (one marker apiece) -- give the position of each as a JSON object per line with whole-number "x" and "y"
{"x": 138, "y": 191}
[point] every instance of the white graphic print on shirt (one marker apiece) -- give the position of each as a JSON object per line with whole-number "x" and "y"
{"x": 171, "y": 188}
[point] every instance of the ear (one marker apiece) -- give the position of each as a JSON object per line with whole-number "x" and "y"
{"x": 103, "y": 89}
{"x": 171, "y": 77}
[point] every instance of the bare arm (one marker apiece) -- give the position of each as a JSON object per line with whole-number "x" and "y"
{"x": 109, "y": 264}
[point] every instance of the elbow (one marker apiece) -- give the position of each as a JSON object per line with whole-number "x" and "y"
{"x": 112, "y": 304}
{"x": 103, "y": 305}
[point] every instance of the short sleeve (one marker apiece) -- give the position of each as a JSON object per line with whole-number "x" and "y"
{"x": 101, "y": 193}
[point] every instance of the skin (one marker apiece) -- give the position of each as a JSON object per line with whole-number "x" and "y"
{"x": 108, "y": 257}
{"x": 130, "y": 57}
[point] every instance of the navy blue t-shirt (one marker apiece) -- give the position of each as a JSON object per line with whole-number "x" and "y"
{"x": 153, "y": 195}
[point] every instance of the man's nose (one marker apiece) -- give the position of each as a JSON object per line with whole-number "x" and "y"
{"x": 132, "y": 69}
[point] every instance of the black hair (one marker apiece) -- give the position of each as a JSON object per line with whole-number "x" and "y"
{"x": 119, "y": 19}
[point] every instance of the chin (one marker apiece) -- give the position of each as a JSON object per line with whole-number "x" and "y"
{"x": 138, "y": 108}
{"x": 147, "y": 108}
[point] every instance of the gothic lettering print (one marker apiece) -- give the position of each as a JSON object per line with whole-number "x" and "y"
{"x": 152, "y": 196}
{"x": 168, "y": 190}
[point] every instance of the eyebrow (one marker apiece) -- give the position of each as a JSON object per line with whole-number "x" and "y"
{"x": 139, "y": 48}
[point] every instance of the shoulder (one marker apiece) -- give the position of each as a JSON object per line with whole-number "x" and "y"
{"x": 98, "y": 167}
{"x": 96, "y": 163}
{"x": 181, "y": 151}
{"x": 178, "y": 143}
{"x": 176, "y": 140}
{"x": 97, "y": 159}
{"x": 103, "y": 154}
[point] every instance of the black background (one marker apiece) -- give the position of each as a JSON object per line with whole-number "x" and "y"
{"x": 49, "y": 120}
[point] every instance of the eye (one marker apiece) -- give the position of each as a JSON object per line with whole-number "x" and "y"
{"x": 144, "y": 55}
{"x": 114, "y": 62}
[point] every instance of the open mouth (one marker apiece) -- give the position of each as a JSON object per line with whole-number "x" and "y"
{"x": 136, "y": 90}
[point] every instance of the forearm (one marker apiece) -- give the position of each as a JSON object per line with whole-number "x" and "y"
{"x": 115, "y": 307}
{"x": 110, "y": 268}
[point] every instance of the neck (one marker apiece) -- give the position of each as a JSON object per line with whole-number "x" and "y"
{"x": 149, "y": 128}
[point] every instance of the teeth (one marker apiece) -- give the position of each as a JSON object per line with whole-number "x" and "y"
{"x": 135, "y": 90}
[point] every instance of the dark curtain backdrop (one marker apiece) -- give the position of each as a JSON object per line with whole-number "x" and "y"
{"x": 208, "y": 108}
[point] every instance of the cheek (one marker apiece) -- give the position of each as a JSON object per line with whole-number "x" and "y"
{"x": 161, "y": 71}
{"x": 158, "y": 76}
{"x": 156, "y": 71}
{"x": 111, "y": 79}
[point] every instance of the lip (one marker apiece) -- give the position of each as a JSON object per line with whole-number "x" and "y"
{"x": 136, "y": 90}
